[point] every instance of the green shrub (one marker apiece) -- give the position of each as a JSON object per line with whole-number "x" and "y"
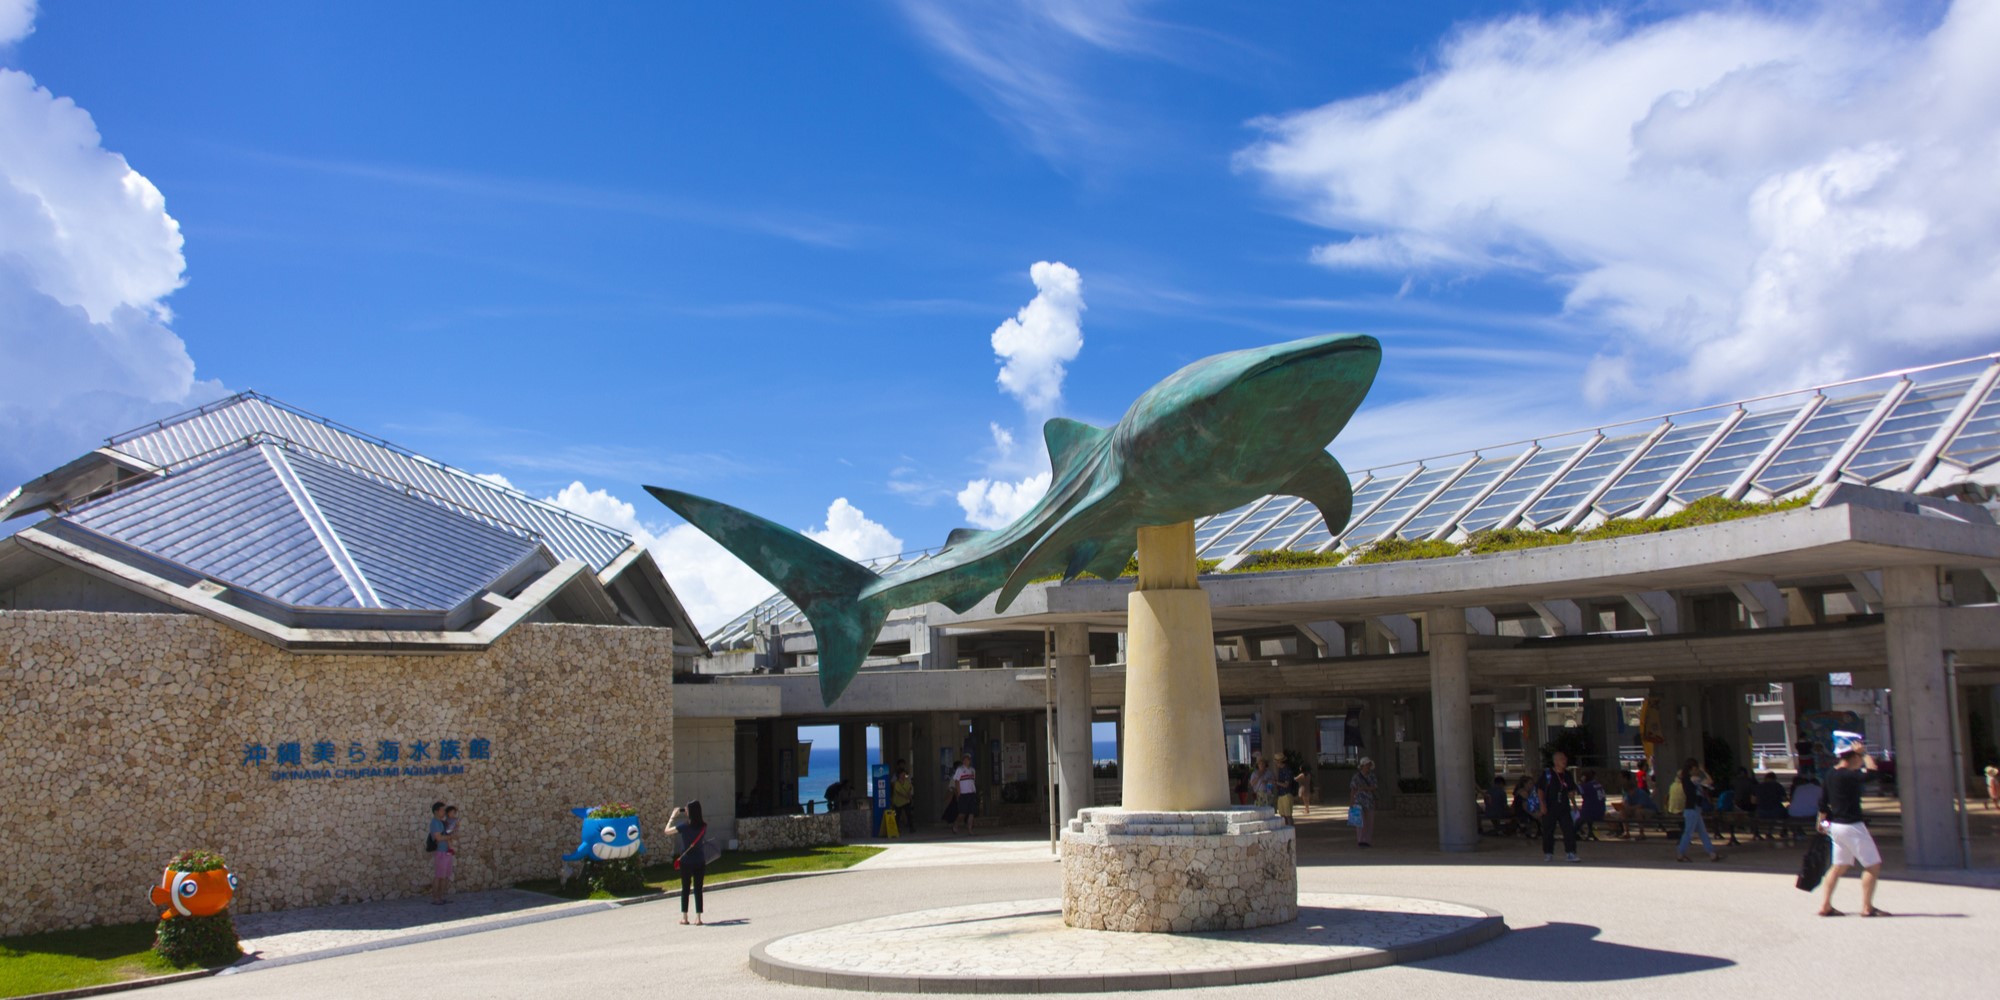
{"x": 1272, "y": 560}
{"x": 1707, "y": 510}
{"x": 203, "y": 941}
{"x": 196, "y": 861}
{"x": 1512, "y": 539}
{"x": 613, "y": 810}
{"x": 1400, "y": 550}
{"x": 619, "y": 878}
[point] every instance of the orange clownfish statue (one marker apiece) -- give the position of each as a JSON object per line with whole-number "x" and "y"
{"x": 194, "y": 894}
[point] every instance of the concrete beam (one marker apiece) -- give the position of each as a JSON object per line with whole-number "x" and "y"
{"x": 1659, "y": 609}
{"x": 1399, "y": 631}
{"x": 1559, "y": 617}
{"x": 1329, "y": 639}
{"x": 1867, "y": 586}
{"x": 1764, "y": 602}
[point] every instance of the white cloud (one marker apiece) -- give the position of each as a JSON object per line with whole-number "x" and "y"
{"x": 88, "y": 255}
{"x": 1033, "y": 348}
{"x": 1044, "y": 336}
{"x": 849, "y": 532}
{"x": 992, "y": 503}
{"x": 1740, "y": 201}
{"x": 17, "y": 19}
{"x": 712, "y": 584}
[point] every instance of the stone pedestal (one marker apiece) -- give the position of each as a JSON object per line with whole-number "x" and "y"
{"x": 1158, "y": 871}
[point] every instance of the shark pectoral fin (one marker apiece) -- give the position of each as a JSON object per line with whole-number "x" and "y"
{"x": 580, "y": 811}
{"x": 1056, "y": 551}
{"x": 1324, "y": 484}
{"x": 1067, "y": 439}
{"x": 1111, "y": 559}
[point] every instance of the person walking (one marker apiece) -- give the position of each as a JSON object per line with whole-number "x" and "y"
{"x": 691, "y": 859}
{"x": 966, "y": 782}
{"x": 1260, "y": 782}
{"x": 1557, "y": 789}
{"x": 1840, "y": 810}
{"x": 1303, "y": 779}
{"x": 1689, "y": 787}
{"x": 1592, "y": 809}
{"x": 438, "y": 844}
{"x": 902, "y": 792}
{"x": 1287, "y": 788}
{"x": 1992, "y": 787}
{"x": 1361, "y": 795}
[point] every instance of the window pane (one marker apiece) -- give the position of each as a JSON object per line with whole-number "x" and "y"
{"x": 1906, "y": 430}
{"x": 1581, "y": 480}
{"x": 1736, "y": 451}
{"x": 1468, "y": 486}
{"x": 1648, "y": 473}
{"x": 1816, "y": 442}
{"x": 1519, "y": 487}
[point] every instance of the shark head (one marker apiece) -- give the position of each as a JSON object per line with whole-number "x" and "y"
{"x": 1247, "y": 417}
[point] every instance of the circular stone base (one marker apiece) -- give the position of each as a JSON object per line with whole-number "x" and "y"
{"x": 1024, "y": 947}
{"x": 1152, "y": 872}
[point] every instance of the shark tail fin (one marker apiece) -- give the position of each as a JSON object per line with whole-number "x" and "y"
{"x": 829, "y": 587}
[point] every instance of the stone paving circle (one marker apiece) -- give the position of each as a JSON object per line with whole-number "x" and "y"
{"x": 1022, "y": 946}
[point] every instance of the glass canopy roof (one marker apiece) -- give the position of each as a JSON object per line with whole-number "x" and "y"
{"x": 1896, "y": 431}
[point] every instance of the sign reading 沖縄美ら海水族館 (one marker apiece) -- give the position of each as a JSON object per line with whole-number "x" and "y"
{"x": 302, "y": 760}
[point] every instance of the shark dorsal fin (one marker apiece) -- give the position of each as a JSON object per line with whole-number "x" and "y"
{"x": 960, "y": 536}
{"x": 1067, "y": 439}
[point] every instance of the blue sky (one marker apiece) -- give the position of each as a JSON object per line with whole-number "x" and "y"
{"x": 762, "y": 253}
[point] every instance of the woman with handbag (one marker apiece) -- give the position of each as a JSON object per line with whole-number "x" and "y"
{"x": 1361, "y": 802}
{"x": 1690, "y": 786}
{"x": 692, "y": 859}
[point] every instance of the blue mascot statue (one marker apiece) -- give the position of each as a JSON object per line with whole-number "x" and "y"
{"x": 611, "y": 832}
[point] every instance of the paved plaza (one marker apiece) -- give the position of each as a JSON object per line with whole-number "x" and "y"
{"x": 1627, "y": 922}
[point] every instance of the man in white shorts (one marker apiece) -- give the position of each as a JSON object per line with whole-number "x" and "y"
{"x": 1852, "y": 843}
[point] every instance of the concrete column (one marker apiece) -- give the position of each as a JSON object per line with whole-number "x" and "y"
{"x": 1072, "y": 662}
{"x": 1920, "y": 713}
{"x": 1451, "y": 728}
{"x": 1174, "y": 757}
{"x": 1271, "y": 728}
{"x": 854, "y": 755}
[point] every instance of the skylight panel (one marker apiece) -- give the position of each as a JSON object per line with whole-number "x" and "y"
{"x": 1208, "y": 532}
{"x": 1518, "y": 487}
{"x": 1906, "y": 430}
{"x": 1978, "y": 442}
{"x": 1738, "y": 449}
{"x": 1400, "y": 504}
{"x": 1468, "y": 486}
{"x": 1578, "y": 483}
{"x": 1251, "y": 526}
{"x": 1648, "y": 473}
{"x": 1816, "y": 442}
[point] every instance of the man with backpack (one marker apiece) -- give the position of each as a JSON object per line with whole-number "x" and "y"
{"x": 1555, "y": 793}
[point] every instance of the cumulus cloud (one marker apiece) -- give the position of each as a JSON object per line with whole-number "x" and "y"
{"x": 849, "y": 532}
{"x": 1738, "y": 200}
{"x": 88, "y": 256}
{"x": 1044, "y": 336}
{"x": 713, "y": 585}
{"x": 990, "y": 503}
{"x": 1033, "y": 348}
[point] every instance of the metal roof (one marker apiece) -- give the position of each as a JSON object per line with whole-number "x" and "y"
{"x": 190, "y": 436}
{"x": 299, "y": 530}
{"x": 1904, "y": 430}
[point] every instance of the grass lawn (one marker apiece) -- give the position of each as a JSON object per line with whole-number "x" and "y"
{"x": 67, "y": 960}
{"x": 734, "y": 865}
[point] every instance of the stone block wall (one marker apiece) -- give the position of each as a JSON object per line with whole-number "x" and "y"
{"x": 1145, "y": 871}
{"x": 125, "y": 738}
{"x": 786, "y": 833}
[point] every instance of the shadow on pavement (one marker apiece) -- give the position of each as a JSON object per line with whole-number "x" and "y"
{"x": 1571, "y": 953}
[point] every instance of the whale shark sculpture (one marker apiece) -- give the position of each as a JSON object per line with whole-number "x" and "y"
{"x": 1215, "y": 435}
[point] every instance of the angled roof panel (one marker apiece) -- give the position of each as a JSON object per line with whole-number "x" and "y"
{"x": 1649, "y": 472}
{"x": 1583, "y": 478}
{"x": 1817, "y": 442}
{"x": 229, "y": 519}
{"x": 413, "y": 552}
{"x": 184, "y": 438}
{"x": 1739, "y": 448}
{"x": 1461, "y": 492}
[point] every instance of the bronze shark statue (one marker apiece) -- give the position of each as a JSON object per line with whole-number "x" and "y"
{"x": 1213, "y": 436}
